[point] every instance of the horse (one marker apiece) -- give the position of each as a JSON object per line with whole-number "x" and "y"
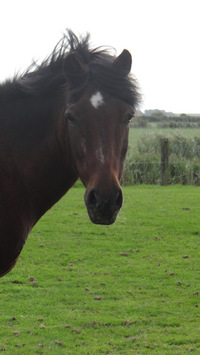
{"x": 64, "y": 119}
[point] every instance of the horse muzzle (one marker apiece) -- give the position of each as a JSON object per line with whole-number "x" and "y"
{"x": 103, "y": 206}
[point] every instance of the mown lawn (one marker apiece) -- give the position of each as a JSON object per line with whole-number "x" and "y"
{"x": 129, "y": 288}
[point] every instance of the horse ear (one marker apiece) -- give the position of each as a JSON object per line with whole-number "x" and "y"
{"x": 72, "y": 65}
{"x": 124, "y": 61}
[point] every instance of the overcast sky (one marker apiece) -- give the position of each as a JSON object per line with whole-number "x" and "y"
{"x": 163, "y": 37}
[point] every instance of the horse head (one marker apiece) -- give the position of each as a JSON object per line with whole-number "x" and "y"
{"x": 98, "y": 126}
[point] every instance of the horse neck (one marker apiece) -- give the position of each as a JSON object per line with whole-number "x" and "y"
{"x": 37, "y": 152}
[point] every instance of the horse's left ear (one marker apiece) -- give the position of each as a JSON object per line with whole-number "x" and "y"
{"x": 124, "y": 61}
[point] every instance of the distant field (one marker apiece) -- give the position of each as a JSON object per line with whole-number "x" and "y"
{"x": 136, "y": 133}
{"x": 130, "y": 288}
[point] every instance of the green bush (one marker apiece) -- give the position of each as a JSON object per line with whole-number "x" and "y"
{"x": 140, "y": 122}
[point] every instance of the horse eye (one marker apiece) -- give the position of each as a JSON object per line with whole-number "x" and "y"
{"x": 70, "y": 118}
{"x": 128, "y": 117}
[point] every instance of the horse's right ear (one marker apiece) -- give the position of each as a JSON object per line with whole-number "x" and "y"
{"x": 72, "y": 65}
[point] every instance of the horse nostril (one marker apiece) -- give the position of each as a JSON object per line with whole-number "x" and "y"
{"x": 92, "y": 199}
{"x": 119, "y": 199}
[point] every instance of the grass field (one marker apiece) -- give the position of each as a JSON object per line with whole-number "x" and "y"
{"x": 136, "y": 133}
{"x": 129, "y": 288}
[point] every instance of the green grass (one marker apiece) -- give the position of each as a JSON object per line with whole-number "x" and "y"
{"x": 129, "y": 288}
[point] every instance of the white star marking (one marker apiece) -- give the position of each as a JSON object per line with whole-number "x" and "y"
{"x": 97, "y": 100}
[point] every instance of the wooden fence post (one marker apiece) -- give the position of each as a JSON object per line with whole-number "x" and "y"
{"x": 164, "y": 161}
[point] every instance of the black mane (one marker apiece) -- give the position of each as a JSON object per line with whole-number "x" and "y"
{"x": 50, "y": 75}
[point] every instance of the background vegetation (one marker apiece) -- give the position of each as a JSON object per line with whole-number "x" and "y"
{"x": 143, "y": 164}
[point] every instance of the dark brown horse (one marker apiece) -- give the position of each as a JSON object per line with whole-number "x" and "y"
{"x": 65, "y": 119}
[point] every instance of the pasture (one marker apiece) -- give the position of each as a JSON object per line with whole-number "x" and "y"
{"x": 136, "y": 133}
{"x": 129, "y": 288}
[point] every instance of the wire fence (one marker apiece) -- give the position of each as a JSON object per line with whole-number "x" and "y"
{"x": 166, "y": 165}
